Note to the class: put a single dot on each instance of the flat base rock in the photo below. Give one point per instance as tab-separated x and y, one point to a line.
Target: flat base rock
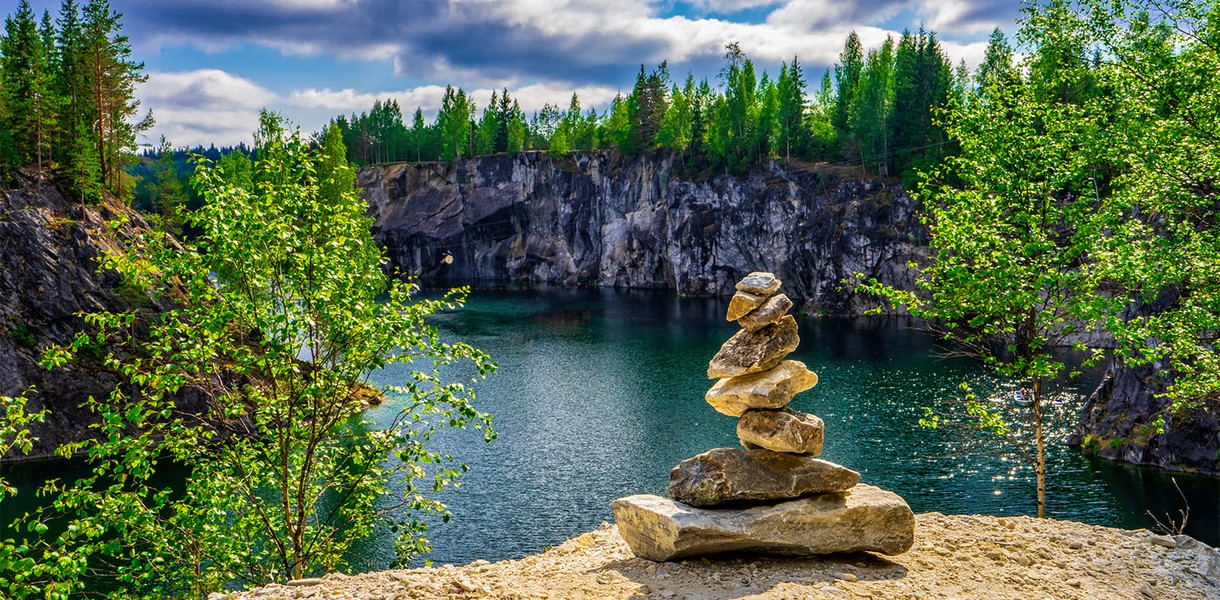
864	519
735	475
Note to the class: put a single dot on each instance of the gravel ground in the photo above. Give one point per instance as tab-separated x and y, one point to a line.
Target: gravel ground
954	557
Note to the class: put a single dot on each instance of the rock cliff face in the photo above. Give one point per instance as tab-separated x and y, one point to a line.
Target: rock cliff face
1118	424
601	219
49	252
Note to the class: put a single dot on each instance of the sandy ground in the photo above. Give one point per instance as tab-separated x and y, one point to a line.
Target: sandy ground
954	557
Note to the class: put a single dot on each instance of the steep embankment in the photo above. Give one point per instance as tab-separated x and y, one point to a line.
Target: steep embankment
954	557
50	248
1118	423
603	219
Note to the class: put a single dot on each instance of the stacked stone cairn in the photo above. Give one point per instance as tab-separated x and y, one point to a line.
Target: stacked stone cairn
774	496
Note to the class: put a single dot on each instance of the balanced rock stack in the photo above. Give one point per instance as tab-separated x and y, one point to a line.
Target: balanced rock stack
775	496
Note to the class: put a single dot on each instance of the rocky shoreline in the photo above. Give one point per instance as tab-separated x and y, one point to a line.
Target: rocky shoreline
966	556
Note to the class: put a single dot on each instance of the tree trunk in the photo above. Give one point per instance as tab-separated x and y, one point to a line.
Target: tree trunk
1040	440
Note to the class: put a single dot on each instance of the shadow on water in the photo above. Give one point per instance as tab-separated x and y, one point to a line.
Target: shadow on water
599	393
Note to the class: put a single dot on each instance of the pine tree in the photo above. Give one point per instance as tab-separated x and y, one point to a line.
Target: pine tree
616	125
110	76
506	110
85	170
765	118
675	129
489	125
922	81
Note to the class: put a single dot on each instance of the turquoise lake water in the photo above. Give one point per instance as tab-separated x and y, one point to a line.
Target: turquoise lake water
599	393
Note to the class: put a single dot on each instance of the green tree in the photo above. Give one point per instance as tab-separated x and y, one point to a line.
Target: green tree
736	117
874	103
646	107
615	131
675	132
997	67
517	131
1005	280
1070	210
69	82
110	77
25	63
455	123
1161	186
847	80
278	311
170	193
790	118
490	126
922	81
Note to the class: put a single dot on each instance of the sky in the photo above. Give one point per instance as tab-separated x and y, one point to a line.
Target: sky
213	64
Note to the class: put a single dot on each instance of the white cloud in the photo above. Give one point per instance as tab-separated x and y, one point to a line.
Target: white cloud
731	6
539	49
203	106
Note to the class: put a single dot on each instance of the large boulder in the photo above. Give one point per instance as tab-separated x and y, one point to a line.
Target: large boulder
754	351
864	519
734	475
770	389
781	431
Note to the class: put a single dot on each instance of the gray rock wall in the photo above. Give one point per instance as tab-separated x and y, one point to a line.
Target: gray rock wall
601	219
1118	424
49	251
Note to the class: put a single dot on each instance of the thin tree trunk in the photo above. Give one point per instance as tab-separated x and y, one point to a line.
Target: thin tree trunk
1040	440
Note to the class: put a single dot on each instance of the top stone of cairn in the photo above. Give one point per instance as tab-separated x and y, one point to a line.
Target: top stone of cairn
758	282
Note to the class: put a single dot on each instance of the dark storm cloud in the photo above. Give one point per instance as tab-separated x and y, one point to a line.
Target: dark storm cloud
425	37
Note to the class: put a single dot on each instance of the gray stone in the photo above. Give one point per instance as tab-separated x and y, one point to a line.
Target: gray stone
769	312
759	282
770	389
754	351
781	431
865	519
733	475
741	304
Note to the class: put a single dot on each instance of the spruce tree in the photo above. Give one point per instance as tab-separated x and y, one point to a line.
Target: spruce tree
792	133
996	68
27	85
